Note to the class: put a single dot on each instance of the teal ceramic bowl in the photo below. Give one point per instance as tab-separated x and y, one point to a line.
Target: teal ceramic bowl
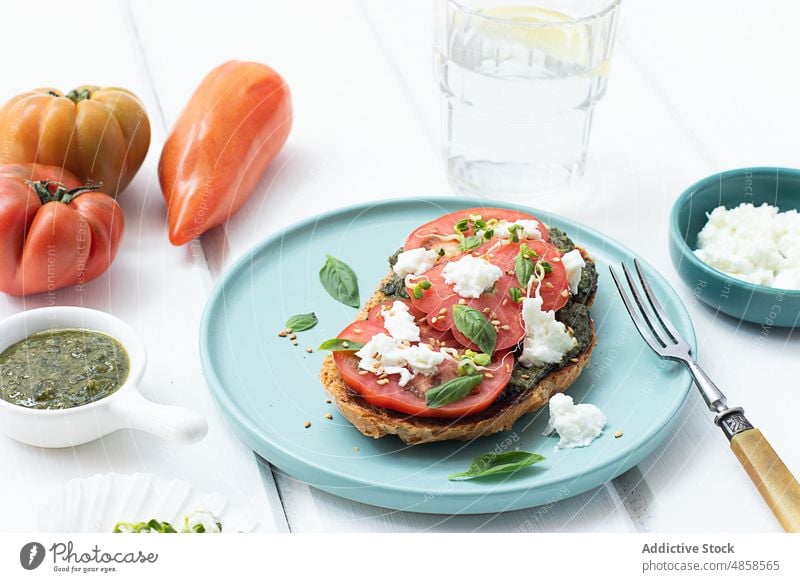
757	304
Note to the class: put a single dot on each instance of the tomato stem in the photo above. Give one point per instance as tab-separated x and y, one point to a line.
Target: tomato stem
60	193
76	95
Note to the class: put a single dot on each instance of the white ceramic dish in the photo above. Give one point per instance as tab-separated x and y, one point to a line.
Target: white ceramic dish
125	408
96	504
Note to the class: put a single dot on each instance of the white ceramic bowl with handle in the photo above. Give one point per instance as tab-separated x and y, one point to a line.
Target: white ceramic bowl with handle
125	408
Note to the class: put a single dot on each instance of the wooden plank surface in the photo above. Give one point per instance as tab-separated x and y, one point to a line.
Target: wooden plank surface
158	289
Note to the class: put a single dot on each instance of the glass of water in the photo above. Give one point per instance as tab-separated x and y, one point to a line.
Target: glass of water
519	83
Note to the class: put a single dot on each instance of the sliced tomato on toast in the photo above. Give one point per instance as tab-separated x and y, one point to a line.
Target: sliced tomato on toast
410	399
441	234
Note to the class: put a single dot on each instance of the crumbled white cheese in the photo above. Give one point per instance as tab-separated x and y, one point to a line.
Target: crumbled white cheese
414	262
423	360
757	244
529	229
471	276
546	339
573	263
399	322
577	425
386	355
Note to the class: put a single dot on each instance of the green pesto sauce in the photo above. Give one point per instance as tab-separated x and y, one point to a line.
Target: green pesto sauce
574	314
62	368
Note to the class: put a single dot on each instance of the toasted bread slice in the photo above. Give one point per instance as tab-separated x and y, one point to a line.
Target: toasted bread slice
378	422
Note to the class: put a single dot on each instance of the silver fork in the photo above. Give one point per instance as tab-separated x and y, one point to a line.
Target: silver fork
770	475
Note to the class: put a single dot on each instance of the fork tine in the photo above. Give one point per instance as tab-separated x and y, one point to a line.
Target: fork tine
641	326
656	305
647	315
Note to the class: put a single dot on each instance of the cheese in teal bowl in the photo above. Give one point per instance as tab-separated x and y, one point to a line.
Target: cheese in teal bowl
749	242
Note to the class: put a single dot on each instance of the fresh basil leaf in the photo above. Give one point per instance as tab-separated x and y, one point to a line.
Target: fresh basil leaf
302	321
469	243
473	324
451	391
497	463
523	267
340	345
340	281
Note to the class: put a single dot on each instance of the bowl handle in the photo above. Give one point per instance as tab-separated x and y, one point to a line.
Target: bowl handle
173	423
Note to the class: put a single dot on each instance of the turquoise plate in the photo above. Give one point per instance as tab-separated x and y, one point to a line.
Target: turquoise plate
268	389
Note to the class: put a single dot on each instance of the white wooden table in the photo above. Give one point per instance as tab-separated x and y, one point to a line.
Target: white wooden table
694	88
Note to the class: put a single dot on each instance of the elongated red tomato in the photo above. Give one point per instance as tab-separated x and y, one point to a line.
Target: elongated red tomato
230	130
440	234
410	399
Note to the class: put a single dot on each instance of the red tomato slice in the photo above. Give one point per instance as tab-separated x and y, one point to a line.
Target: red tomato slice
439	234
554	288
410	399
438	291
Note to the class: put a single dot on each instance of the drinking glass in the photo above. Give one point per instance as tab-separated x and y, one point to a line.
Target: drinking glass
519	84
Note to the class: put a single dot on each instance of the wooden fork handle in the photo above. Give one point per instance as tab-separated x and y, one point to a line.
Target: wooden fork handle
771	477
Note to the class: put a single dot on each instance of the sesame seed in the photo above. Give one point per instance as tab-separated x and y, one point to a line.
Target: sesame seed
495	322
307	424
329	416
505	327
363	372
292	336
288	330
488	374
565	293
327	401
295	342
462	301
376	365
382	381
549	285
443	310
443	344
486	310
574	360
556	259
618	434
505	301
356	330
282	334
525	377
309	349
345	345
434	319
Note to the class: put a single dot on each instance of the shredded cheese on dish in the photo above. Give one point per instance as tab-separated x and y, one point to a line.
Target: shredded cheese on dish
757	244
471	276
547	340
577	425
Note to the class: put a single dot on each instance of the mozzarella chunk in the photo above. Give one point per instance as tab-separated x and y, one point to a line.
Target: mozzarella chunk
386	355
414	262
573	263
529	229
399	322
423	360
471	276
577	425
757	244
547	340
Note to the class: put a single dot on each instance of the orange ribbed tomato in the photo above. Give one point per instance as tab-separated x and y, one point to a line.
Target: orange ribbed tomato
230	130
54	231
101	135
